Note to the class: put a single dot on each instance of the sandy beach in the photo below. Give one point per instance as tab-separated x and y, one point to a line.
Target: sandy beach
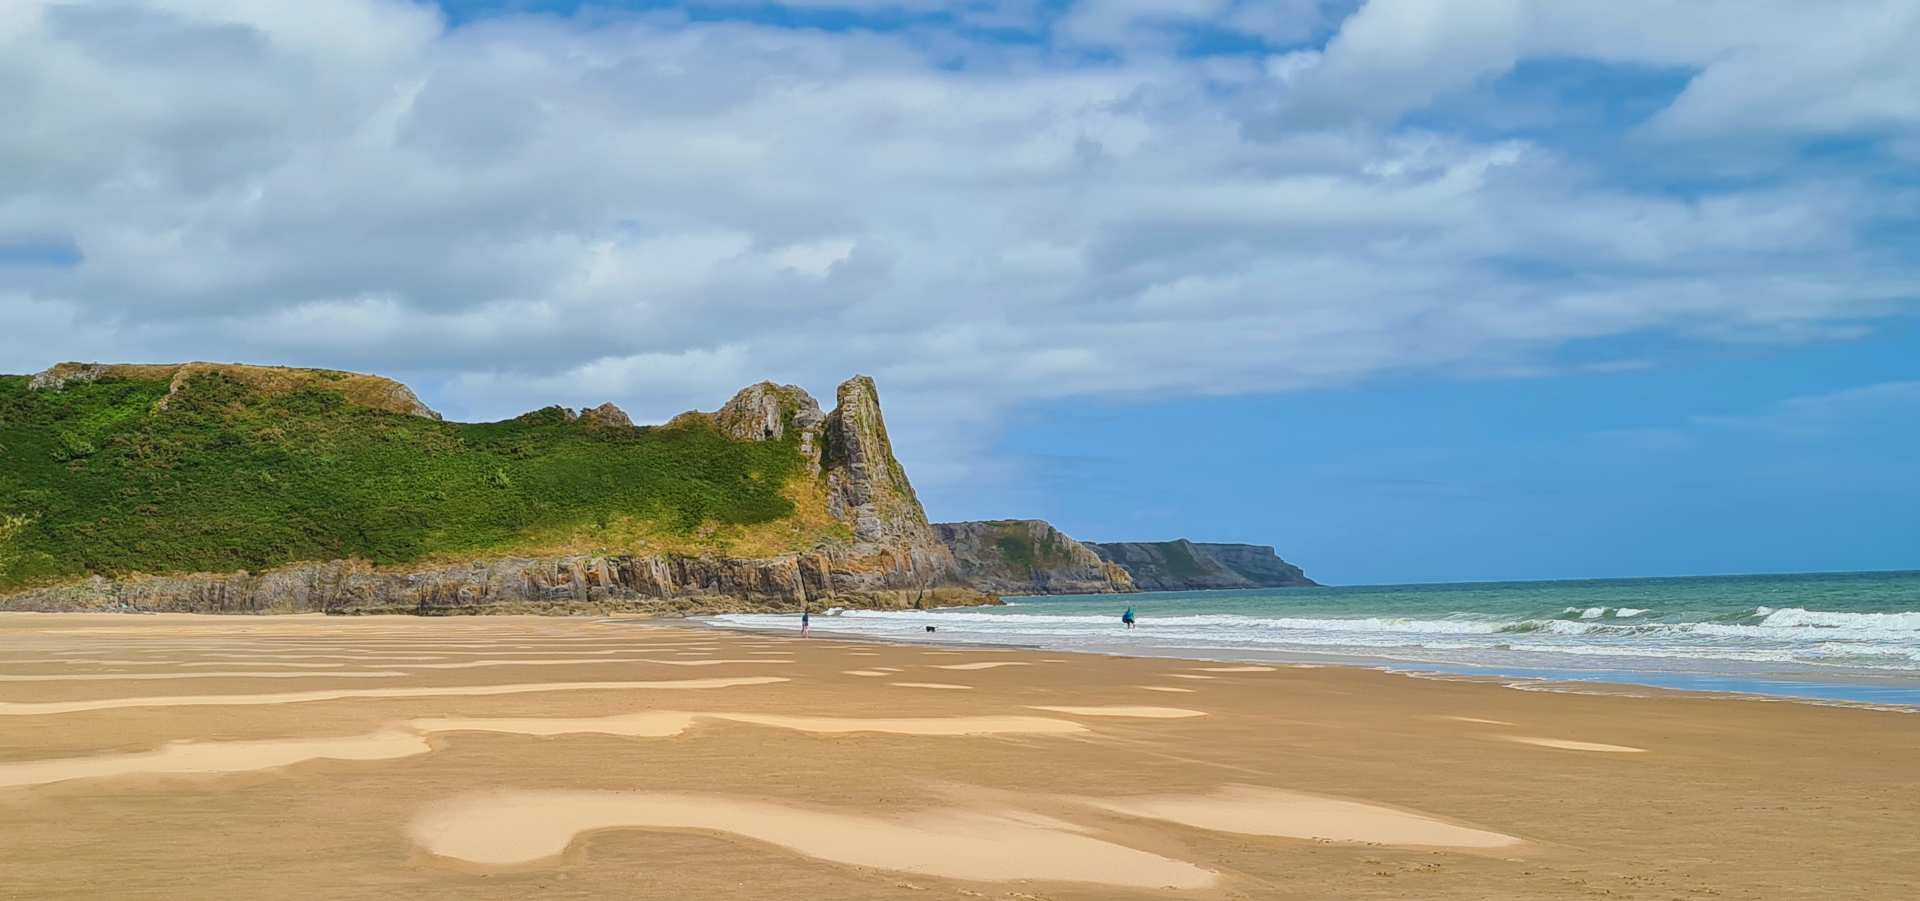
385	757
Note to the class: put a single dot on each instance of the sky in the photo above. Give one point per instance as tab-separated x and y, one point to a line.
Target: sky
1414	290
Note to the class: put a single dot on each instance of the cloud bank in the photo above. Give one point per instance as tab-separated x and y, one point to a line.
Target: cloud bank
982	204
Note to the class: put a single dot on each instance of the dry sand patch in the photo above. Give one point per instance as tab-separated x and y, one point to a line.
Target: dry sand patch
105	677
1568	745
520	828
408	738
472	664
184	758
8	708
1148	713
1253	810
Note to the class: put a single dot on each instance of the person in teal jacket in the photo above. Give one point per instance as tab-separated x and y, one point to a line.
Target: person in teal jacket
1127	617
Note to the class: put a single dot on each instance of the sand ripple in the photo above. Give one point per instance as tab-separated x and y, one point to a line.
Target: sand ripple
520	828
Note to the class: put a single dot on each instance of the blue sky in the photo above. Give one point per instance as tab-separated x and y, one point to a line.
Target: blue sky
1414	291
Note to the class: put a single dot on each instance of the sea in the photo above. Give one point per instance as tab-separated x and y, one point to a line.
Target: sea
1832	637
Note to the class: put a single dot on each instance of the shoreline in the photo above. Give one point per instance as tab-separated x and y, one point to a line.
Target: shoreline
1559	682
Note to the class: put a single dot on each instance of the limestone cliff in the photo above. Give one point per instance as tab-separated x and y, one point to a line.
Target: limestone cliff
1028	556
1183	565
766	504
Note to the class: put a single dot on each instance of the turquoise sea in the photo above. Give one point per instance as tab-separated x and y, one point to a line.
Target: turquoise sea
1840	637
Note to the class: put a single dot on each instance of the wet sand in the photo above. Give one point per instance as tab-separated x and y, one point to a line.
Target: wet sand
783	768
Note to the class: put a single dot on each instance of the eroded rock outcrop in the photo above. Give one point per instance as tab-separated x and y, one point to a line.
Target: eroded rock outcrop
1183	565
1028	556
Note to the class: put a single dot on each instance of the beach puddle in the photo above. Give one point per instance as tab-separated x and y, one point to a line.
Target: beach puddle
1478	721
8	708
1566	745
1237	669
520	828
1188	676
975	666
1252	810
1148	713
1167	688
865	672
941	685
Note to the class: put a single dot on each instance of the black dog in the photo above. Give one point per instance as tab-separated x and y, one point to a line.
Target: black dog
930	628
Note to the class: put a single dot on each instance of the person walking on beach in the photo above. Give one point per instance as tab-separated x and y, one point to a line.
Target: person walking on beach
1127	617
806	621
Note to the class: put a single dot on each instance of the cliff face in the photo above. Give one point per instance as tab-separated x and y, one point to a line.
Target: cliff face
1183	565
817	500
1028	556
562	584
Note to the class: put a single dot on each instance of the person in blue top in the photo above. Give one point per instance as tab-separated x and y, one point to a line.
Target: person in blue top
806	621
1127	617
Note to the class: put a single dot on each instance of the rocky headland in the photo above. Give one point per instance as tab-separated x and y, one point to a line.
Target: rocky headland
839	525
1028	556
1182	565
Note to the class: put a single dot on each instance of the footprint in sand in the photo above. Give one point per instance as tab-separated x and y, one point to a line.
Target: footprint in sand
1566	745
1253	810
528	827
1150	713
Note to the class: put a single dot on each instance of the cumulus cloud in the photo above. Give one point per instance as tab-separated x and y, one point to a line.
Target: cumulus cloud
656	210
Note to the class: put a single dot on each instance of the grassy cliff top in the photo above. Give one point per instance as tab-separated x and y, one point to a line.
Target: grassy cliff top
218	468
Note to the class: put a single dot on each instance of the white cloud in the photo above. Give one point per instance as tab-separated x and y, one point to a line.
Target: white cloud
537	210
1761	66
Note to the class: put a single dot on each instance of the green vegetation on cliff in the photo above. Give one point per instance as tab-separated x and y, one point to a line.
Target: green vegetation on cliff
215	472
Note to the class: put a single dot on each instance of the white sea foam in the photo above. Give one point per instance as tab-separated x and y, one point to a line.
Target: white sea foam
1885	641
